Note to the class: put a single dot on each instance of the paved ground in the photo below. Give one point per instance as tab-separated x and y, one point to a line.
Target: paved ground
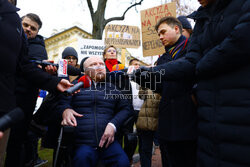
156	159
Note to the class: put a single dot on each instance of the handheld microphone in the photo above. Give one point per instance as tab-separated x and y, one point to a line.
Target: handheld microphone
70	69
84	82
120	70
44	63
11	118
73	71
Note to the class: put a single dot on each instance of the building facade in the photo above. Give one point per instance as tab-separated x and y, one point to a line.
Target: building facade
83	43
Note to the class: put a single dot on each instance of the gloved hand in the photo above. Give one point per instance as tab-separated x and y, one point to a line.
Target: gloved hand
143	70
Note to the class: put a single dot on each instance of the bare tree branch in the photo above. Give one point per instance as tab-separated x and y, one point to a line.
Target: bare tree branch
102	5
98	19
123	16
91	9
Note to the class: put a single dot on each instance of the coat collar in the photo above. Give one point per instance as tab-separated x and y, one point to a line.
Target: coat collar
178	41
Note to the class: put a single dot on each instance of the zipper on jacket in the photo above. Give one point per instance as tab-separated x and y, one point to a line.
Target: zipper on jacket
96	135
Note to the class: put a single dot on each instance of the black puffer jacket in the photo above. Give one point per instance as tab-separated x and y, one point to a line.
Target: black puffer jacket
219	55
37	48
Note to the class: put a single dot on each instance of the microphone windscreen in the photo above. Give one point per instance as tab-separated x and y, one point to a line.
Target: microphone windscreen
118	67
73	70
11	118
86	81
16	114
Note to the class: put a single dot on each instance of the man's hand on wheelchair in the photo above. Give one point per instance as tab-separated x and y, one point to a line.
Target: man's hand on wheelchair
107	137
69	117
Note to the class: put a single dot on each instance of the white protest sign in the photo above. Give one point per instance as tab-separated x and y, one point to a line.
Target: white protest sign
91	47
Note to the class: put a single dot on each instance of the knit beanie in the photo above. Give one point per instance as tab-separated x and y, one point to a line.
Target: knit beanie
69	51
184	21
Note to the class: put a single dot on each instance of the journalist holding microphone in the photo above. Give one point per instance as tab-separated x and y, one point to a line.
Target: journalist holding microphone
13	48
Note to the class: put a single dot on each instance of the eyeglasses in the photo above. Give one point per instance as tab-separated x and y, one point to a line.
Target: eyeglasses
71	58
111	50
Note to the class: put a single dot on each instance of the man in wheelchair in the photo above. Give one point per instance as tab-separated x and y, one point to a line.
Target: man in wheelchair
96	113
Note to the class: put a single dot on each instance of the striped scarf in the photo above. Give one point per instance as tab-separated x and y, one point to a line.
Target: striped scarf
175	50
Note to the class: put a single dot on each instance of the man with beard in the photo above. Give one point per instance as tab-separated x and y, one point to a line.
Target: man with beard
97	113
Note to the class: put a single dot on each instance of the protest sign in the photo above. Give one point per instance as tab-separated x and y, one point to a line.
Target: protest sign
122	36
150	40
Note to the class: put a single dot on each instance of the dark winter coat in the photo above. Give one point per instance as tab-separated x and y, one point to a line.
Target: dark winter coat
10	48
26	91
99	105
219	55
14	58
177	112
37	48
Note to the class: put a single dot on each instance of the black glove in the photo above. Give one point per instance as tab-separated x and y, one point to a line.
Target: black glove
143	71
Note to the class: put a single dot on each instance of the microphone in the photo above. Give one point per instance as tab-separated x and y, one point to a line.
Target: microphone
120	70
44	63
74	71
11	118
70	69
84	82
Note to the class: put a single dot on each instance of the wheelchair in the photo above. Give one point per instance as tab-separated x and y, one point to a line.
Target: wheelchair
64	150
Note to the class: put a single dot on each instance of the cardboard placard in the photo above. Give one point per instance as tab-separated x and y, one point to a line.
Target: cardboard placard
122	36
151	44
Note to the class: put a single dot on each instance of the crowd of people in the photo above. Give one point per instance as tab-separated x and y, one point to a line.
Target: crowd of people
197	113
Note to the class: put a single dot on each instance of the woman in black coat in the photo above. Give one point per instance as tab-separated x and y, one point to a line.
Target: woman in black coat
219	58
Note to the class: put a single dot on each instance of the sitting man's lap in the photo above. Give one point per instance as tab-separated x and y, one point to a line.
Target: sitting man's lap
113	156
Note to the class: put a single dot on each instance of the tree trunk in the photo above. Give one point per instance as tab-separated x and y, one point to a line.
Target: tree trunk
98	25
98	19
